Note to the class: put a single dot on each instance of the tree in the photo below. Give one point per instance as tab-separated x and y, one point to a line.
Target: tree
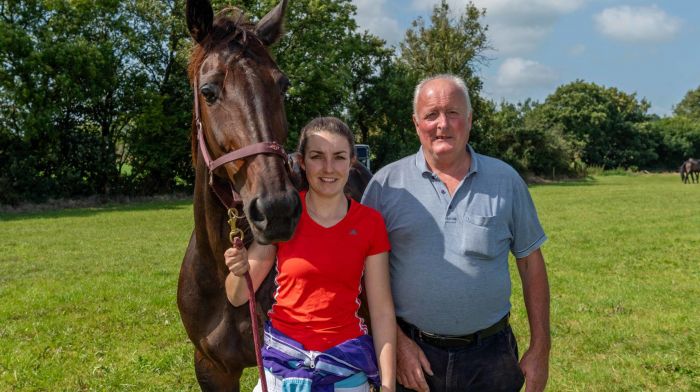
157	147
690	105
448	45
518	136
386	107
605	121
366	70
75	76
677	138
89	87
52	82
329	63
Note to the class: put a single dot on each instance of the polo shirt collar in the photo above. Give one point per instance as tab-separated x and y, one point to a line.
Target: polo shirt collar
422	165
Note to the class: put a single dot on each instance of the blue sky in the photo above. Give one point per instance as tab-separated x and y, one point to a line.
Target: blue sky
643	47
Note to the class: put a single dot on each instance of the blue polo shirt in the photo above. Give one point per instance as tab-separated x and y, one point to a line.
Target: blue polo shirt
449	253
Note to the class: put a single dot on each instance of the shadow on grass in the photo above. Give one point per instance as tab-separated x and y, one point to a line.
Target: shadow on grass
86	211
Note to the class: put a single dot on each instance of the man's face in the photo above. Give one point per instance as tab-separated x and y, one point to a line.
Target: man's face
442	120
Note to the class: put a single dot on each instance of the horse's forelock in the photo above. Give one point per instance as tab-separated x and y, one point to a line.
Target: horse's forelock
230	24
237	16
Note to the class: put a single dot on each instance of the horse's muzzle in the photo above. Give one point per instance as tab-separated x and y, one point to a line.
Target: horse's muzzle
274	218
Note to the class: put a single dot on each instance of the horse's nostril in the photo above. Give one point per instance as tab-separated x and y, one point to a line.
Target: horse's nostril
255	212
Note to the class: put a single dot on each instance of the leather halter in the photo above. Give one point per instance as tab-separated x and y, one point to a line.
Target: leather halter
241	153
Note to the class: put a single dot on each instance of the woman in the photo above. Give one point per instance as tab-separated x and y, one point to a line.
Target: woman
315	340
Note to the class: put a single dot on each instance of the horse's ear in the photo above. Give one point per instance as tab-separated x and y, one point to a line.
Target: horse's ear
269	29
200	17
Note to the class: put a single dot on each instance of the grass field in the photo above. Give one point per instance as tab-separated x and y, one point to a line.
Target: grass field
87	296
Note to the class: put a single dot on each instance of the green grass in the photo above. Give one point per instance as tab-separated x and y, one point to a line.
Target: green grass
624	266
88	299
87	296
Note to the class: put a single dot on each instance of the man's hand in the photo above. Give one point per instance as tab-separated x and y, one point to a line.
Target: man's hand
535	366
411	363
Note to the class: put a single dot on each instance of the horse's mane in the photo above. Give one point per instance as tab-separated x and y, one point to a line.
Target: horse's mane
229	24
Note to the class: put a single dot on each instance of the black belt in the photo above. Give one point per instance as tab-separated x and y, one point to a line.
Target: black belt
451	341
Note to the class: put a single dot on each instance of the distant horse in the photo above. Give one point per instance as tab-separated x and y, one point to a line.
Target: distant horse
692	170
238	128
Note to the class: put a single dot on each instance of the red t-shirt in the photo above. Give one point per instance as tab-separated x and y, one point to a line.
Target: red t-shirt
319	272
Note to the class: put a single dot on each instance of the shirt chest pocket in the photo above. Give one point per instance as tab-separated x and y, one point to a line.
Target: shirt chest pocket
484	236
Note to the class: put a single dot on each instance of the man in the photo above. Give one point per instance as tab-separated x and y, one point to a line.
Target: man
452	216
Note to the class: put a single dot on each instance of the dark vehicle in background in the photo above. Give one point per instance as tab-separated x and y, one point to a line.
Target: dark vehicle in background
362	152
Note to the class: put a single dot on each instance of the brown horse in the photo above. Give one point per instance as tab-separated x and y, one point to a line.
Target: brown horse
241	92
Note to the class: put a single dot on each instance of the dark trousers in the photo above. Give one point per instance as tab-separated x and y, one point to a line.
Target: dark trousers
488	364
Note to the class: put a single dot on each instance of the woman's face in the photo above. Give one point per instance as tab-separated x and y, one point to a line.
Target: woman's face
327	162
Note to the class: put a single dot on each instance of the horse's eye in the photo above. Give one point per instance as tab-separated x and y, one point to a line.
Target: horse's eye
210	93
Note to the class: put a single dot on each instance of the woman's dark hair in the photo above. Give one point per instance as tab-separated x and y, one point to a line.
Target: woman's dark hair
332	125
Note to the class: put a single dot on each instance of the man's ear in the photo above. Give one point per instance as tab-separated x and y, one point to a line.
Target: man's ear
415	121
269	29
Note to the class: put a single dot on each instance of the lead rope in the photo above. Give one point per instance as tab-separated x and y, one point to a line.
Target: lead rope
236	238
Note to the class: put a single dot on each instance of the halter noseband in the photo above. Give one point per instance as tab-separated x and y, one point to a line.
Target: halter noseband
241	153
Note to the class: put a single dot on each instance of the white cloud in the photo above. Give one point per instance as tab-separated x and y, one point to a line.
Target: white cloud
516	39
515	26
372	16
637	24
517	74
528	12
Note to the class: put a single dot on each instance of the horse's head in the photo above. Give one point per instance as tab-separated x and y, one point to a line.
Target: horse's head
240	93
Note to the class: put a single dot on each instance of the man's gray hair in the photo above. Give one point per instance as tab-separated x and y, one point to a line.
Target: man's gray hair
459	82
